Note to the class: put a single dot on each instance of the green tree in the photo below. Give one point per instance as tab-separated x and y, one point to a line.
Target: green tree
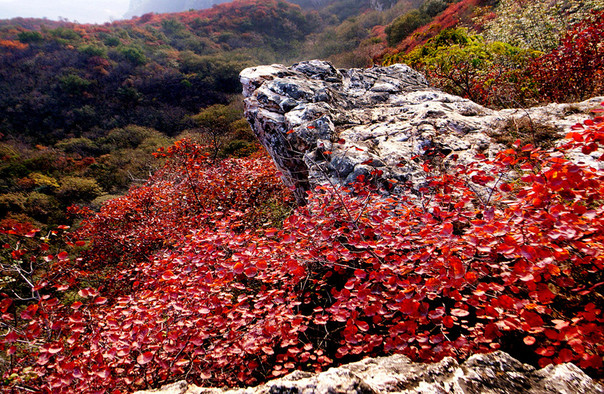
30	36
217	122
134	55
75	189
404	25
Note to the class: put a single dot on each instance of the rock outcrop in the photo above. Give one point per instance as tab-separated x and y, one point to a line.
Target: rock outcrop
319	123
482	373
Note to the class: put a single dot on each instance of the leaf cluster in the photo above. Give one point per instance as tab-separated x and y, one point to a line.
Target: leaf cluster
185	277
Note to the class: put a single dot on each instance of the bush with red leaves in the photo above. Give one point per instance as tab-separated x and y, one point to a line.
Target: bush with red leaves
575	70
448	273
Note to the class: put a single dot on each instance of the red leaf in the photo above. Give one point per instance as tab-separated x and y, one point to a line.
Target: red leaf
432	284
43	359
167	275
292	265
505	187
250	272
458	269
529	340
11	337
565	356
545	351
4	304
63	256
560	324
459	312
593	361
32	233
533	319
447	229
204	310
100	300
144	358
360	274
103	373
55	348
238	268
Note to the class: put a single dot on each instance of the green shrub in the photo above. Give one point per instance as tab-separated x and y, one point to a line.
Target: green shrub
30	36
433	7
75	189
81	145
41	206
93	50
11	203
404	25
74	84
133	55
489	73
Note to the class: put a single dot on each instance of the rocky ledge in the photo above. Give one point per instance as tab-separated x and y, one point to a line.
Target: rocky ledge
483	373
322	124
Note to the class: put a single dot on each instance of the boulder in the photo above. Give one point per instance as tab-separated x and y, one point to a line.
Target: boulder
494	373
321	124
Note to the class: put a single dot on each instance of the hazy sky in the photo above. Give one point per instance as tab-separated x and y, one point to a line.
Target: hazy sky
83	11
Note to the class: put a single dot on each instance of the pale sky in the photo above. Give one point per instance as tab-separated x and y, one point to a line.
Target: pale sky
83	11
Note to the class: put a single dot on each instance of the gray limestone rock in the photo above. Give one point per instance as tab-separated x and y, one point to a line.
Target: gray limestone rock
320	124
494	373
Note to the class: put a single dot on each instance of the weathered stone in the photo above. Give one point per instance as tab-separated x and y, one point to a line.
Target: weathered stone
493	373
320	123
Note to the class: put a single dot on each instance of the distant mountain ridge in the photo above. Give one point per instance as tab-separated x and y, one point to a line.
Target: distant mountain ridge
140	7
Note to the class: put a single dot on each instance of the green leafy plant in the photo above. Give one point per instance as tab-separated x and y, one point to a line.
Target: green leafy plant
489	73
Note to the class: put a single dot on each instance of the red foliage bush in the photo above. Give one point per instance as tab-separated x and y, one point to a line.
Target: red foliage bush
575	70
453	271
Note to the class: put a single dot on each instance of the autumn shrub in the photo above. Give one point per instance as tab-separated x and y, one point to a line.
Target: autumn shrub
474	262
188	188
575	69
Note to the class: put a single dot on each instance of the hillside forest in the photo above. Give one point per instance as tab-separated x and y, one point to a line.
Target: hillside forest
147	238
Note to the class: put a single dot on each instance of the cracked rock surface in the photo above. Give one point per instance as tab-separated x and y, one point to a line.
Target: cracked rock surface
496	373
321	123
